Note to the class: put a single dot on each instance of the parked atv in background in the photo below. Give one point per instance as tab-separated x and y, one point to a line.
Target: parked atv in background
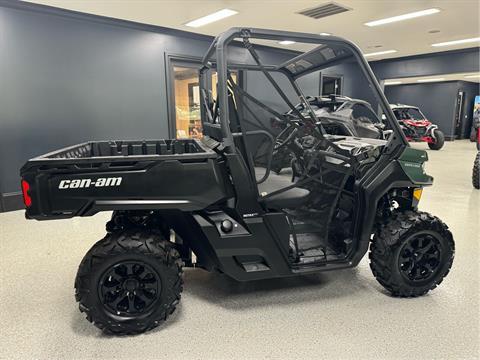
172	198
416	127
339	115
476	163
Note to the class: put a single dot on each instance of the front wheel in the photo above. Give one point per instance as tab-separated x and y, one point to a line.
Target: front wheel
411	253
129	282
439	140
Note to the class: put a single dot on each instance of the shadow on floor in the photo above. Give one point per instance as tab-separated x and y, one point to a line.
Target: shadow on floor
233	295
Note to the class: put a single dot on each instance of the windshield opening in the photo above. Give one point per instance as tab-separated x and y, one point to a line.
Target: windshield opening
408	114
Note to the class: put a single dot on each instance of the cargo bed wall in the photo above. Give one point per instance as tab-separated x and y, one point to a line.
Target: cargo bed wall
60	191
114	148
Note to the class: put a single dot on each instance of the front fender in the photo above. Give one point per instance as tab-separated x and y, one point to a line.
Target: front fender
412	162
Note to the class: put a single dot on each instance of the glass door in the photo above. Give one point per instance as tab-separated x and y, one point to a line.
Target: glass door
185	115
188	123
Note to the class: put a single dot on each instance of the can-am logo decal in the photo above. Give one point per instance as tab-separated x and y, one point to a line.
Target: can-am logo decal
87	183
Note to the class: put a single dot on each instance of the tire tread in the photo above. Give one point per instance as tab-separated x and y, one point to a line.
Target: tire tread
132	241
388	239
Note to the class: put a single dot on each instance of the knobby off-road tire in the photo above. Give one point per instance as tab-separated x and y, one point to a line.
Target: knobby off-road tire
440	140
129	282
411	253
476	172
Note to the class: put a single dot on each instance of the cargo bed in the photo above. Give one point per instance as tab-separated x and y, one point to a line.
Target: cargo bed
108	175
117	150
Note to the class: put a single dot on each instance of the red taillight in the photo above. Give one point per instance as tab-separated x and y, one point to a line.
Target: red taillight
27	200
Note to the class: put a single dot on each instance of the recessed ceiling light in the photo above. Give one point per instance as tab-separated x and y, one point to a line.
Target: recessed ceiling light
392	83
472	76
455	42
380	53
325	34
403	17
219	15
430	80
286	42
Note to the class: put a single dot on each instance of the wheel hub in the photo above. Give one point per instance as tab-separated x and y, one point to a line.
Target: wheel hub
420	257
131	284
129	288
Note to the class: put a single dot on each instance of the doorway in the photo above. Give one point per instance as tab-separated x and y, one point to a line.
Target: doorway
458	118
184	95
330	85
188	122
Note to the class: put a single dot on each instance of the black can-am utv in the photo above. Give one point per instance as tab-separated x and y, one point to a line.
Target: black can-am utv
216	197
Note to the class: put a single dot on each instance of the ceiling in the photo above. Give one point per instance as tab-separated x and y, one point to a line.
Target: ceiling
458	19
440	78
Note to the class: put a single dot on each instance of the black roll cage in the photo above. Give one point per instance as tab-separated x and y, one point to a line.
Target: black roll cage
219	50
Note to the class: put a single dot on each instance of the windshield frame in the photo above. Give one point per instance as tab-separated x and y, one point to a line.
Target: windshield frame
217	56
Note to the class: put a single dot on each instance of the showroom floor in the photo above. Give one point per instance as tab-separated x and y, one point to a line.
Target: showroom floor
338	315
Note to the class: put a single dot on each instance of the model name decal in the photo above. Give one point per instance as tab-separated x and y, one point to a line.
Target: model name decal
412	164
87	183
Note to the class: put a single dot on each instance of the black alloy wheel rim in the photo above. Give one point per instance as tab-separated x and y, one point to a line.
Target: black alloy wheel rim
129	288
420	257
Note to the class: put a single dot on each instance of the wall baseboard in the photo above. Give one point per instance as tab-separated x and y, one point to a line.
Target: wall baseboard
11	201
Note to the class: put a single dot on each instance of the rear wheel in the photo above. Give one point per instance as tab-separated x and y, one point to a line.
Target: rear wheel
129	282
476	172
411	253
439	140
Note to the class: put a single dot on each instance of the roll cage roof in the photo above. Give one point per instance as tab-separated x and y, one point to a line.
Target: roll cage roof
331	50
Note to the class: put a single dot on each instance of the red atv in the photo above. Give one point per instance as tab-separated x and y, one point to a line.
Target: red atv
416	127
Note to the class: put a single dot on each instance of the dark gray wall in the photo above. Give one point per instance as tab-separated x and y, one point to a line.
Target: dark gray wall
447	62
436	100
66	81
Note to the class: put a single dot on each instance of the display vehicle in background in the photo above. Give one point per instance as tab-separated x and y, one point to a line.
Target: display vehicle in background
476	162
475	118
338	115
215	198
341	115
417	127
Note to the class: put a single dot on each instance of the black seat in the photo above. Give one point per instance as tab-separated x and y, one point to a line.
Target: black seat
288	199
